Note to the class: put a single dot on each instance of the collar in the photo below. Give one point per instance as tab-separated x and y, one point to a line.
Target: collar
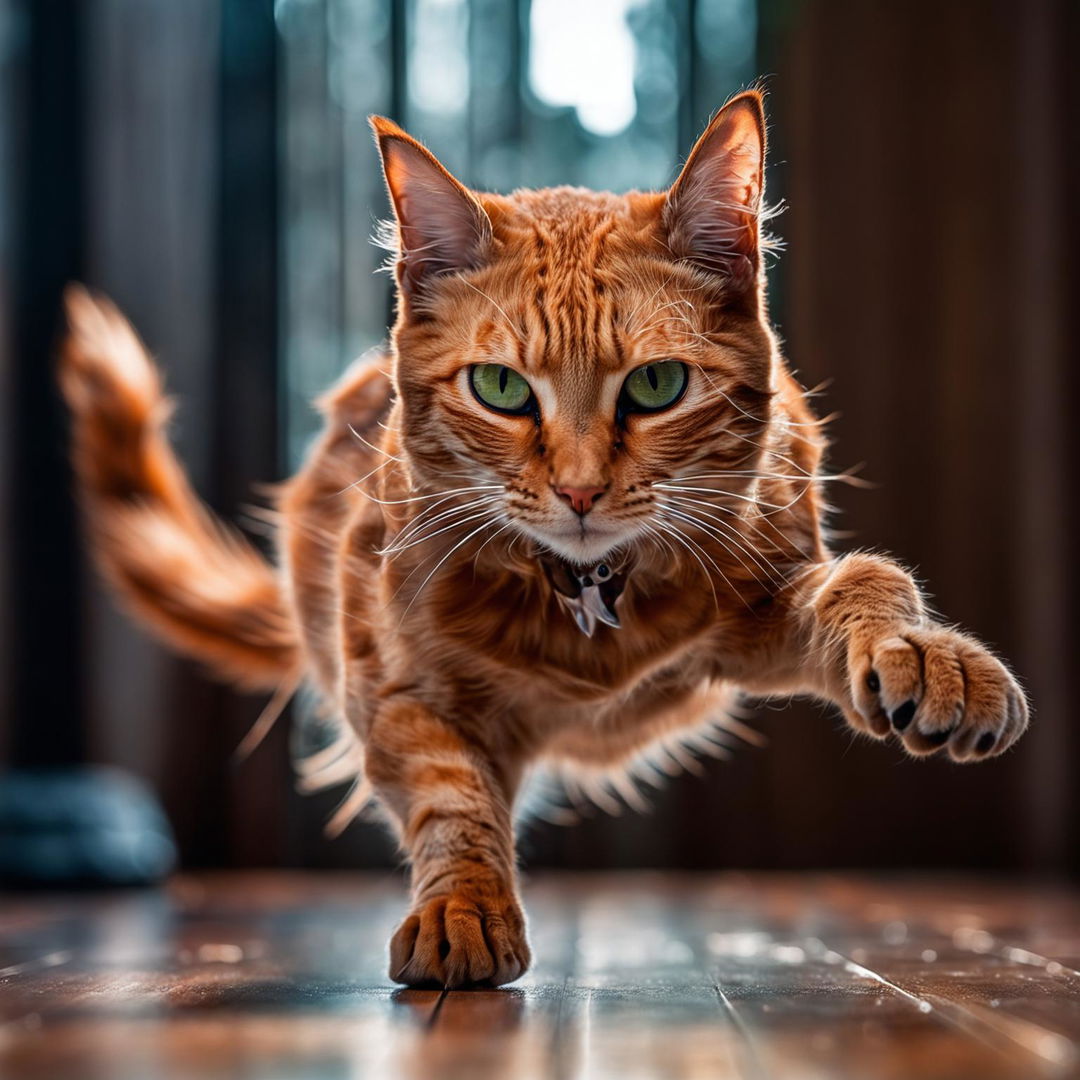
588	593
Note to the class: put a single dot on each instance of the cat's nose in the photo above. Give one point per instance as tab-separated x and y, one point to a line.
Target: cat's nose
580	498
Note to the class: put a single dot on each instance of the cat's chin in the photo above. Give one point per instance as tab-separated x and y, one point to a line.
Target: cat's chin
582	547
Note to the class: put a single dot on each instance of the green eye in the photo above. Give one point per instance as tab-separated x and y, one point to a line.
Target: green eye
655	386
500	388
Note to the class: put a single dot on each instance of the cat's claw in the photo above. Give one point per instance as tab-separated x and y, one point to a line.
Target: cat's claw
466	938
936	688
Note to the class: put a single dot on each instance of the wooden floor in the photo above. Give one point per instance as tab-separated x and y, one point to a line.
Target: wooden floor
282	976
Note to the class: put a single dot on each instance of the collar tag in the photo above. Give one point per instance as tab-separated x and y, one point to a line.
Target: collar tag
589	594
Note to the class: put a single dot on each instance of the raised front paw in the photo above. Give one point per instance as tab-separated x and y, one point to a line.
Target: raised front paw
936	688
469	937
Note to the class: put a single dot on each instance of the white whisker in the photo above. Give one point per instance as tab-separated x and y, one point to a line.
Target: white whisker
680	534
734	538
794	548
356	483
674	532
372	446
502	311
497	532
663	486
423	584
658	538
422	522
435	494
423	539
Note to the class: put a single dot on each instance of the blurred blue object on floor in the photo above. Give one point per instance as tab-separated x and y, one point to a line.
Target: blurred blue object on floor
81	826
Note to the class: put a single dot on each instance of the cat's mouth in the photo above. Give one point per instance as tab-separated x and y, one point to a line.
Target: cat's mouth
583	544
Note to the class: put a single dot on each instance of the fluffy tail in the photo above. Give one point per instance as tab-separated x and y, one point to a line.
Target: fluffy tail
195	581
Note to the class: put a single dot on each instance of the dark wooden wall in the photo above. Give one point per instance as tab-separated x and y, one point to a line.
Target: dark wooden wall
930	154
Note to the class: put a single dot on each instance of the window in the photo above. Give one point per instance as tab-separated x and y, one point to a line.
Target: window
505	94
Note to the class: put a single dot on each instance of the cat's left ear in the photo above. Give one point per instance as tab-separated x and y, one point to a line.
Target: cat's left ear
441	225
711	213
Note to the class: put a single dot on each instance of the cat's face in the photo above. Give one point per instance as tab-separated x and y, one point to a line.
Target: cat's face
568	351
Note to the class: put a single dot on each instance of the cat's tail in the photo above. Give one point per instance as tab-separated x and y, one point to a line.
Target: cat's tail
198	583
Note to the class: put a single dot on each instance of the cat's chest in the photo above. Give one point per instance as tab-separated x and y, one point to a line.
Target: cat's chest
536	649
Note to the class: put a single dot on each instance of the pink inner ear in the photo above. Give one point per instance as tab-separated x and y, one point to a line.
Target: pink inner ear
712	209
442	227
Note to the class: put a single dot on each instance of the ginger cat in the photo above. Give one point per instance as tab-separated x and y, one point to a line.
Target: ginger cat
579	513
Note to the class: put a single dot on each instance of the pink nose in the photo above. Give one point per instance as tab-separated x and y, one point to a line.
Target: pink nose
581	499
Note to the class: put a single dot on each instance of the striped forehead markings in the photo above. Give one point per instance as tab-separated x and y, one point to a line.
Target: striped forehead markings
573	323
576	327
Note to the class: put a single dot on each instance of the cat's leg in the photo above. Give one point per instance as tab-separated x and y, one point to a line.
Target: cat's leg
451	805
876	653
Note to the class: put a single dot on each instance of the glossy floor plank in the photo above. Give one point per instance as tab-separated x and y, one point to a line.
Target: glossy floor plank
807	977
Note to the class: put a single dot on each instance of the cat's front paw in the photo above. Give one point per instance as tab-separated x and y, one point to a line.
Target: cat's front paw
469	937
937	688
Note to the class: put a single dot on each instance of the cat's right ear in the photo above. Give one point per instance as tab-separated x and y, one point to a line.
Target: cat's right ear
441	225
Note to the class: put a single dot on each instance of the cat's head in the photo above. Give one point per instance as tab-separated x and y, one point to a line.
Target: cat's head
567	350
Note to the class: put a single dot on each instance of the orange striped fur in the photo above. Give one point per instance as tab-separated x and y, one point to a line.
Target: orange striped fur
412	591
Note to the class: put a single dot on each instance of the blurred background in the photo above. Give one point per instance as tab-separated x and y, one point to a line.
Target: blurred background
208	164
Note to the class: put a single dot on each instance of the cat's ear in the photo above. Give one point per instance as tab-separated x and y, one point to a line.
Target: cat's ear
441	225
711	213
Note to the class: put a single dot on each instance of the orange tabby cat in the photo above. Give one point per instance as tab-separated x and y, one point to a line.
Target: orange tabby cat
581	509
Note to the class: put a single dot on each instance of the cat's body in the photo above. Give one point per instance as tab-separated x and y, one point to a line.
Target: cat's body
582	386
490	630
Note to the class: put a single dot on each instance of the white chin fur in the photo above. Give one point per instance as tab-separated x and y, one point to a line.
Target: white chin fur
584	549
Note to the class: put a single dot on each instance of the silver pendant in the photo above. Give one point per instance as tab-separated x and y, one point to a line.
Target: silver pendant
589	594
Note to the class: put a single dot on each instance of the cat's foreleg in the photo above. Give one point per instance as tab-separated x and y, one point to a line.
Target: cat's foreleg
451	805
872	648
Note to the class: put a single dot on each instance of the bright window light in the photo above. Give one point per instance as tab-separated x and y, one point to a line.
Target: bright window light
582	54
438	71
